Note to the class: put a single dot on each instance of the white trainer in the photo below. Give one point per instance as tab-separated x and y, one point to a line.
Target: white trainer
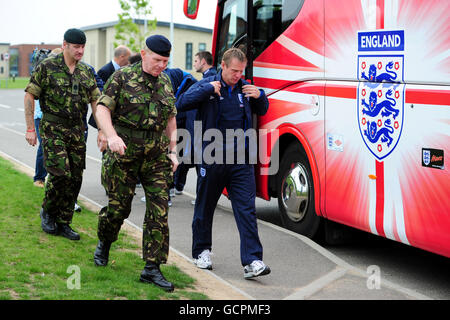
204	260
77	208
255	269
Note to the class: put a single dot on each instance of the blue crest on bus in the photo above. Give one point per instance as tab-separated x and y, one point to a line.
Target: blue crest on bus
381	41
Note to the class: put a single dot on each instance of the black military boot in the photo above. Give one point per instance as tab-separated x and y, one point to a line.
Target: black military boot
47	222
152	274
101	254
67	232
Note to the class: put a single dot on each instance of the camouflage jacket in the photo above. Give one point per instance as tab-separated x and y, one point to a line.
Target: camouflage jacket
137	100
61	93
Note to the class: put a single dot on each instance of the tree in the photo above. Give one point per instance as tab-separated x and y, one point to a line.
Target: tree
128	31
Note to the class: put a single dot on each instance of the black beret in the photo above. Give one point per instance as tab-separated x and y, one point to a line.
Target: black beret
75	36
159	44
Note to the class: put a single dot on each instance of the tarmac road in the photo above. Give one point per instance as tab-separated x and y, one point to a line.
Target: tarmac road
301	268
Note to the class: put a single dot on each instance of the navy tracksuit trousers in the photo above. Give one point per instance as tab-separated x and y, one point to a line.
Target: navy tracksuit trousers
239	179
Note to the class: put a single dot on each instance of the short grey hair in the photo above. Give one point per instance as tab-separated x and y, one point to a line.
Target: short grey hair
121	50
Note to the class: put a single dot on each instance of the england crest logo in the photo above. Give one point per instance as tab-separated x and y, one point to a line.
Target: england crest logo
380	102
426	157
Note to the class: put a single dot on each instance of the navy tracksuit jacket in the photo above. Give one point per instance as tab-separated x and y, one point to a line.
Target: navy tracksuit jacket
230	111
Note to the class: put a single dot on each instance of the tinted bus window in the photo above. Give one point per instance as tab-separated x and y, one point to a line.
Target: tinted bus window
271	18
233	27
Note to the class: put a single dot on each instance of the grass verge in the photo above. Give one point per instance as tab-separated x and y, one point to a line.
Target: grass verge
35	265
18	83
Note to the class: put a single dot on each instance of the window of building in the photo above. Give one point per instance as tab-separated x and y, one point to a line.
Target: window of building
202	46
189	56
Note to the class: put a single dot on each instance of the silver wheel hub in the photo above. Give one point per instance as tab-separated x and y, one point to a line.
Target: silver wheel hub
295	192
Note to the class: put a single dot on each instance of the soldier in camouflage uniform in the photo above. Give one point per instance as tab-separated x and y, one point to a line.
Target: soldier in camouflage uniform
136	112
64	86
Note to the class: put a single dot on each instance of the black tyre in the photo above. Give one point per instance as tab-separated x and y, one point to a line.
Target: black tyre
295	192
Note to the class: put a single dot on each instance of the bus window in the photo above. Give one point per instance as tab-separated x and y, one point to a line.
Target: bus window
271	18
233	27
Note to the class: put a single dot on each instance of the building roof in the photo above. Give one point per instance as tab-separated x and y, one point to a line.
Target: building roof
141	21
36	44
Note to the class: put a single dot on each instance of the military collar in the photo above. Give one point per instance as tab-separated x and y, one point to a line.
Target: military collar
62	63
144	76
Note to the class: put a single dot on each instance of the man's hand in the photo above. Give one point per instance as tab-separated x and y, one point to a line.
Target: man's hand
251	91
30	135
31	138
102	142
175	163
116	144
217	86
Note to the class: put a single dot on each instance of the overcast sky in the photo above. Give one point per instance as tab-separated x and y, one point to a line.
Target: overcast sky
37	21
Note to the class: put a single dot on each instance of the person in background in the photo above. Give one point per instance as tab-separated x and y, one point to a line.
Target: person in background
39	170
121	55
203	61
135	57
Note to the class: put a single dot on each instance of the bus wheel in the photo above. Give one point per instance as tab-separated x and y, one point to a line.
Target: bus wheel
295	191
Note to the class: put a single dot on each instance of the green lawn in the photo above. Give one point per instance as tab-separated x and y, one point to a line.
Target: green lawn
35	265
19	83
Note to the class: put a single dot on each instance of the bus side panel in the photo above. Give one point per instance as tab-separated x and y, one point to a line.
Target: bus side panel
427	37
347	182
423	167
426	27
343	20
298	111
347	168
301	47
405	197
297	54
383	135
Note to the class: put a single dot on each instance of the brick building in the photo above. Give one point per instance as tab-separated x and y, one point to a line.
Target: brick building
20	56
4	60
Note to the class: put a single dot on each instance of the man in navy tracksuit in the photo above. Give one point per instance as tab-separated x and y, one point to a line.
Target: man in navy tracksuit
224	102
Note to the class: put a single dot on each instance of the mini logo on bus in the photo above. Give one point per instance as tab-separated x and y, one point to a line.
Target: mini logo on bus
380	102
426	157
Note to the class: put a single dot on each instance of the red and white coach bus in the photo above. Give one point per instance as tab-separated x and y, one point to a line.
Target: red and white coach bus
359	93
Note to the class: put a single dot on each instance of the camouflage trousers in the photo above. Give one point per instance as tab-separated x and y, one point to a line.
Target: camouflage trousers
65	159
149	163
